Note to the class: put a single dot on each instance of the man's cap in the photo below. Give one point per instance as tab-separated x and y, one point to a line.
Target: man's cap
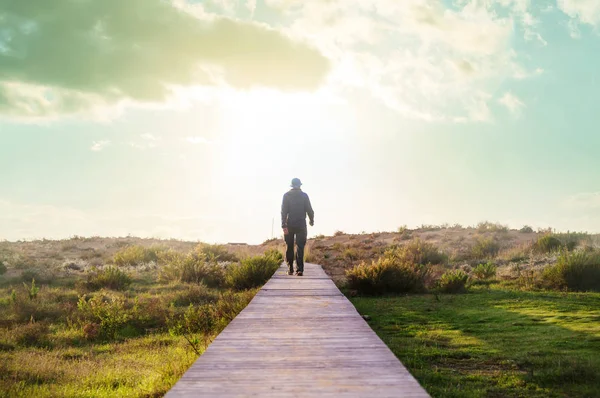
296	183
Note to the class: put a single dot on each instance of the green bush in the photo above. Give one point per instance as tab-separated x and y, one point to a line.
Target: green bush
136	255
417	252
485	248
31	334
274	255
252	272
389	274
485	271
192	268
454	282
487	226
2	268
350	254
526	229
194	294
547	244
108	312
215	253
109	277
570	240
578	271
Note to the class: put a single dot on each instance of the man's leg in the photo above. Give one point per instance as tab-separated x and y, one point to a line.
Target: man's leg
289	254
300	241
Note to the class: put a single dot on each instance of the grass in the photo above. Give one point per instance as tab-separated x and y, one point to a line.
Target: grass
107	332
142	367
494	342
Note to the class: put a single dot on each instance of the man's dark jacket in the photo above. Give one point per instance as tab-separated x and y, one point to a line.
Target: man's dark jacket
294	208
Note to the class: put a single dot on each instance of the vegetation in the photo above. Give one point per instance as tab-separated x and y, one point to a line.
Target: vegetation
418	252
494	342
547	244
485	271
526	229
253	272
487	226
109	278
107	331
485	248
454	282
578	271
392	273
135	255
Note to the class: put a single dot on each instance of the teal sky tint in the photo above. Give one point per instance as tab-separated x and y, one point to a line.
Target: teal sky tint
404	127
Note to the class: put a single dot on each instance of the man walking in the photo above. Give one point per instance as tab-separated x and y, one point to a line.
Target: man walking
294	208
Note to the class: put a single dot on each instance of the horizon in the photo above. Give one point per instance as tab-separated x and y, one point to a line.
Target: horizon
391	113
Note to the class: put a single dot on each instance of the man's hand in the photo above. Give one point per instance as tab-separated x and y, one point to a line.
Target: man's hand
285	231
311	223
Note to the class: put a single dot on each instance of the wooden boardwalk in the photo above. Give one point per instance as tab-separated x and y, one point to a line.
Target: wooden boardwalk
299	337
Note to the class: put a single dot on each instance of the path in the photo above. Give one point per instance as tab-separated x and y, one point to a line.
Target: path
299	337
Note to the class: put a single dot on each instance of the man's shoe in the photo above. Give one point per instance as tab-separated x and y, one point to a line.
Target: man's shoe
290	272
299	273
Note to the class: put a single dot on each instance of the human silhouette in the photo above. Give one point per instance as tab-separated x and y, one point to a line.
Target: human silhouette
294	208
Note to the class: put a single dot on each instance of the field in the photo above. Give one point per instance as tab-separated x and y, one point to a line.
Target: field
482	311
494	342
116	317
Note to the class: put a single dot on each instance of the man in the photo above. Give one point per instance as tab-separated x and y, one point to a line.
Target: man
294	208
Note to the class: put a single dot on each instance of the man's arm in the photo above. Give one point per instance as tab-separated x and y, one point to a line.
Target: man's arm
309	211
285	211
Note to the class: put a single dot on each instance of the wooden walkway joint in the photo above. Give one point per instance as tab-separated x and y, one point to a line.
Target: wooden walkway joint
298	337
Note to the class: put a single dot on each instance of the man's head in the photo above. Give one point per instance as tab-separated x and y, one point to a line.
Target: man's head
296	183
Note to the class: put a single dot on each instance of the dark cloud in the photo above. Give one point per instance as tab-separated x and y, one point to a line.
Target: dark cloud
63	55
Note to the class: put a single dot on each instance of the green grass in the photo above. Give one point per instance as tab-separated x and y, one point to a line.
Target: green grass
494	343
67	337
141	367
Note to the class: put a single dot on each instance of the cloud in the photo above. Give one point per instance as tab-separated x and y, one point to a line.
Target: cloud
423	58
97	146
196	140
584	11
73	56
512	103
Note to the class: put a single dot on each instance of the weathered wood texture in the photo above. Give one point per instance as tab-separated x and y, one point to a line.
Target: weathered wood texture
299	337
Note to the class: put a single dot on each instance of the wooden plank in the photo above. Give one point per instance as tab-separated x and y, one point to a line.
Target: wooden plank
298	337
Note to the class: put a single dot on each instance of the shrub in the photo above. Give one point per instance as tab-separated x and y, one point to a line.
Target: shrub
2	268
485	271
339	233
526	229
135	255
389	274
215	253
194	294
108	312
350	254
547	244
109	277
487	226
570	240
252	272
578	271
31	334
485	248
274	255
454	282
418	252
192	268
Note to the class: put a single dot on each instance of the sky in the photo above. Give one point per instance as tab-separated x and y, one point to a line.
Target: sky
188	119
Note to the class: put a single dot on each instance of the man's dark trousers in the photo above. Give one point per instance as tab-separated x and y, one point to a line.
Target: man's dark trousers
300	236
